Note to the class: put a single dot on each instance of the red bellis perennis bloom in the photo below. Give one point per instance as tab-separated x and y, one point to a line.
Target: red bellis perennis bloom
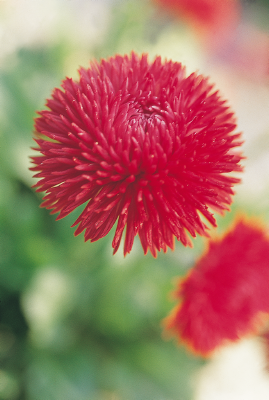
226	293
143	145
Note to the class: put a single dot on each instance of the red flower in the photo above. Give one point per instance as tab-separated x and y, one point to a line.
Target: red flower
214	19
141	144
225	294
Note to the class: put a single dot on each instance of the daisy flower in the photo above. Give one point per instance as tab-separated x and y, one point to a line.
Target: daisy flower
141	145
225	296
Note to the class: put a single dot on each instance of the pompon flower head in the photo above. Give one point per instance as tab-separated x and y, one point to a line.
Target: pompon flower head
226	294
141	144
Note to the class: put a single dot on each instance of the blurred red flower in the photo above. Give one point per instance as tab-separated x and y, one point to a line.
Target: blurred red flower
212	19
225	295
141	143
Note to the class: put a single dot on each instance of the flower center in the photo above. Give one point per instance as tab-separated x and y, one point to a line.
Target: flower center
147	115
